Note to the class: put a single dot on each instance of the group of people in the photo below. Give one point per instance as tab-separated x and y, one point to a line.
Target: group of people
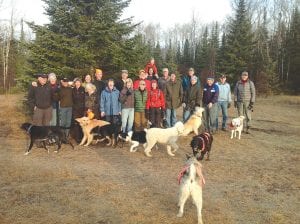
150	100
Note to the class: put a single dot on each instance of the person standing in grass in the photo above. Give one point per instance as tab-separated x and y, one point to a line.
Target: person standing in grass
140	99
127	104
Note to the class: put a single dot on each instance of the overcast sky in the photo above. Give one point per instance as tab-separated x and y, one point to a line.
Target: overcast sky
165	12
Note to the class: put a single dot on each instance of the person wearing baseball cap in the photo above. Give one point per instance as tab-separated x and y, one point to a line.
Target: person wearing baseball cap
210	100
224	100
244	98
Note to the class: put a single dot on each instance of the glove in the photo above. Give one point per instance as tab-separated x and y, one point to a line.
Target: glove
228	105
235	104
147	114
250	107
128	93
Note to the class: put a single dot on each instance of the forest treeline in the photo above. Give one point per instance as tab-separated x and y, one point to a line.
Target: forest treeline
261	36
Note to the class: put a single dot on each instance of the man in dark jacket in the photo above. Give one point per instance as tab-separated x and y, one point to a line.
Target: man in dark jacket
210	99
174	95
40	101
120	83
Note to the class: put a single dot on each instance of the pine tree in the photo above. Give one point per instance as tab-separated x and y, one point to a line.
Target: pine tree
239	42
170	58
157	54
187	57
82	35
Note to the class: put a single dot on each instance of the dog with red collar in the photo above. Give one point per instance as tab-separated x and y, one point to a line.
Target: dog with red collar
236	126
201	145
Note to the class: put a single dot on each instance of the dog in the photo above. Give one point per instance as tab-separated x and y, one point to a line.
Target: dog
46	135
201	145
166	136
87	126
106	132
134	138
194	122
191	181
237	125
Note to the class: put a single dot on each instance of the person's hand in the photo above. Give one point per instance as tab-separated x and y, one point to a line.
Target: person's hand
102	114
235	104
250	107
34	84
183	105
120	113
209	105
228	105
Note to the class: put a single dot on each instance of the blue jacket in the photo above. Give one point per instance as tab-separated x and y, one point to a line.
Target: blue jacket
109	103
224	92
210	94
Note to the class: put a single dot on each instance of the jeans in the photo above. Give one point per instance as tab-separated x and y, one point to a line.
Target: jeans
210	115
186	115
127	119
54	117
65	118
171	117
222	105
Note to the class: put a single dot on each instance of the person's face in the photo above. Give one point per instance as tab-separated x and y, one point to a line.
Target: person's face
88	78
128	85
173	77
42	80
191	72
222	80
142	85
152	61
193	81
124	75
142	75
77	84
244	77
166	74
64	84
154	85
150	71
110	84
98	75
52	81
210	82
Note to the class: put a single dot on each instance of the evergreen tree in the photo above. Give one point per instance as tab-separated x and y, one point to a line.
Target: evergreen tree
239	42
170	58
157	54
203	60
187	57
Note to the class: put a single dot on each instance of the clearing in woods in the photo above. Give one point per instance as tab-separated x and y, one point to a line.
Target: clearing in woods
252	180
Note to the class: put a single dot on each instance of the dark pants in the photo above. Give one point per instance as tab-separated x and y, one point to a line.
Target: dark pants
155	117
42	117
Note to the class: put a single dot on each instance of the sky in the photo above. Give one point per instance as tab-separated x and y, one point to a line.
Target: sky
165	12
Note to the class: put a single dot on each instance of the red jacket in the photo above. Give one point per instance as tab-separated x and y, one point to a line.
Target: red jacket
136	84
153	66
155	99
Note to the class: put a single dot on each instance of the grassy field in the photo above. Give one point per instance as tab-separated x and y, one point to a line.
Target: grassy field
252	180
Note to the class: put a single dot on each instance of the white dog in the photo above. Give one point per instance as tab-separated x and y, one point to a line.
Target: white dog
237	126
166	136
194	122
191	181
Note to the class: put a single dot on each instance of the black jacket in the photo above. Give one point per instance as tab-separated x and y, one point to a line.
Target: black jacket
40	96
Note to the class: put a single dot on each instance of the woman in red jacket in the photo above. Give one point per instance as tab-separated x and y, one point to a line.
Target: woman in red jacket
155	105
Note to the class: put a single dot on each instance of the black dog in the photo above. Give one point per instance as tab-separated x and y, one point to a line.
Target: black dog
47	135
107	132
135	138
201	145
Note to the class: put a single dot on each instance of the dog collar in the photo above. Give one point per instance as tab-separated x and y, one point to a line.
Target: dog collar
28	130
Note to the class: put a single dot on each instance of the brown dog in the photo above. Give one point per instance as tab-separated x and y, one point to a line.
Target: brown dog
87	125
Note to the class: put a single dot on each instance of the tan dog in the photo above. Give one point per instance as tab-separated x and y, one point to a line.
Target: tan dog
87	125
194	122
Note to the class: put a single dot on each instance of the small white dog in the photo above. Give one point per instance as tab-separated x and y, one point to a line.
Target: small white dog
191	181
237	126
194	122
166	136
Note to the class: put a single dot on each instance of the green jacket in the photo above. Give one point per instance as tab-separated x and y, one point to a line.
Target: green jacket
174	94
140	99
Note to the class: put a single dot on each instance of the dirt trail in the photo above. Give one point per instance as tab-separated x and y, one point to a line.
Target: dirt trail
252	180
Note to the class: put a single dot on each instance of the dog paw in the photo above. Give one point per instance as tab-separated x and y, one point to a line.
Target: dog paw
56	151
179	215
26	153
148	154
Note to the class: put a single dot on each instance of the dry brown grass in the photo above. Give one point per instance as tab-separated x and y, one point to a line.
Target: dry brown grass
252	180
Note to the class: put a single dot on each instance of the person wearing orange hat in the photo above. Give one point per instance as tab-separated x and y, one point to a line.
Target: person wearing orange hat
155	105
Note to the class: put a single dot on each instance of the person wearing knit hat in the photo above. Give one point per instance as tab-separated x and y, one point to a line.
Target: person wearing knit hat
155	105
209	100
191	99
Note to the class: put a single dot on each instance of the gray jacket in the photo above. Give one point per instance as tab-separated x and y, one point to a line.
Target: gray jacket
244	92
